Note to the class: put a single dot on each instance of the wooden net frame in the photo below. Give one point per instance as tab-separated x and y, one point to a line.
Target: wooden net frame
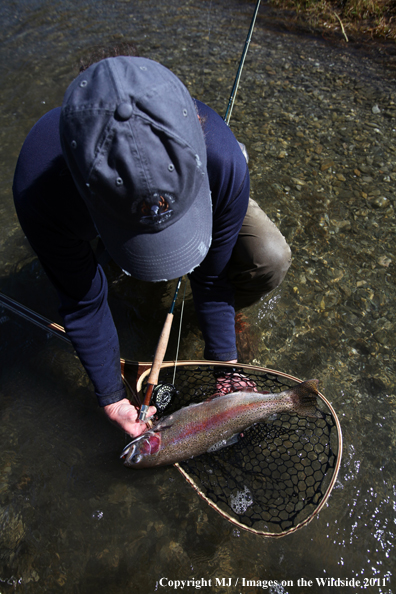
275	479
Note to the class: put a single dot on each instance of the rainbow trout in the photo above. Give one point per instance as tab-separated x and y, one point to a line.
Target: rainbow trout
195	429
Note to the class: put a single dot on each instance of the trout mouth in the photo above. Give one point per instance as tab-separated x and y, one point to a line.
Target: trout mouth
128	452
131	453
144	445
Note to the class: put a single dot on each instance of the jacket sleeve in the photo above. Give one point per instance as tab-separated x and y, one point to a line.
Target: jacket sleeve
58	227
229	183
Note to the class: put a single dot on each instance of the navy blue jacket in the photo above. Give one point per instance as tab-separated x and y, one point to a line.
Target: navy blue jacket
59	228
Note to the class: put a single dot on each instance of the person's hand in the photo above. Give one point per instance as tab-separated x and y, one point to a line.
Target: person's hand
126	416
234	382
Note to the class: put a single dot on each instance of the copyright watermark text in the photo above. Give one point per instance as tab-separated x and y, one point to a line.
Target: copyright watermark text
241	583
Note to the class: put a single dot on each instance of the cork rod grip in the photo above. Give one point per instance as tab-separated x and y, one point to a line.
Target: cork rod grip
155	369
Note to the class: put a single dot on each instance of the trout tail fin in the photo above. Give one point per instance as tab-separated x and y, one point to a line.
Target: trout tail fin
304	398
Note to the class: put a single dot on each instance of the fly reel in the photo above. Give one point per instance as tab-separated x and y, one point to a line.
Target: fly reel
162	396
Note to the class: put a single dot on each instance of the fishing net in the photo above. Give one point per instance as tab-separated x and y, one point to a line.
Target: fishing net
280	473
277	476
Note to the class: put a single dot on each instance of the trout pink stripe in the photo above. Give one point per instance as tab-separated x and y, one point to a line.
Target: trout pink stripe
220	418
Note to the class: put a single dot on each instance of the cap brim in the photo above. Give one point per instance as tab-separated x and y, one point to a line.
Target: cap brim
167	254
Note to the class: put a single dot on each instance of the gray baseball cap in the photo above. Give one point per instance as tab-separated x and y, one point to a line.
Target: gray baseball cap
133	142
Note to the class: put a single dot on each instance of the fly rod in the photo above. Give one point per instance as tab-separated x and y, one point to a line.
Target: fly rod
231	101
164	338
159	356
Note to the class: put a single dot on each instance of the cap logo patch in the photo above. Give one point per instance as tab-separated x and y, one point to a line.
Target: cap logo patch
157	210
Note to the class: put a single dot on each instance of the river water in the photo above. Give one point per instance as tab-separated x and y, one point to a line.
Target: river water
319	122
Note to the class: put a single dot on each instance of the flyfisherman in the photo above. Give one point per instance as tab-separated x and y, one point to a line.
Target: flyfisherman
160	177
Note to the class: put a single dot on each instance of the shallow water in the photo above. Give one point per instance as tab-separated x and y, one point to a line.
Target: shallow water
319	123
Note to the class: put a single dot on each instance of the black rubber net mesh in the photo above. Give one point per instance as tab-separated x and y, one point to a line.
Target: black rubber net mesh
278	473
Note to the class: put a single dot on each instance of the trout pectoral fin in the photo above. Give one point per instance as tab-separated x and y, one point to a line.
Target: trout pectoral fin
162	428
